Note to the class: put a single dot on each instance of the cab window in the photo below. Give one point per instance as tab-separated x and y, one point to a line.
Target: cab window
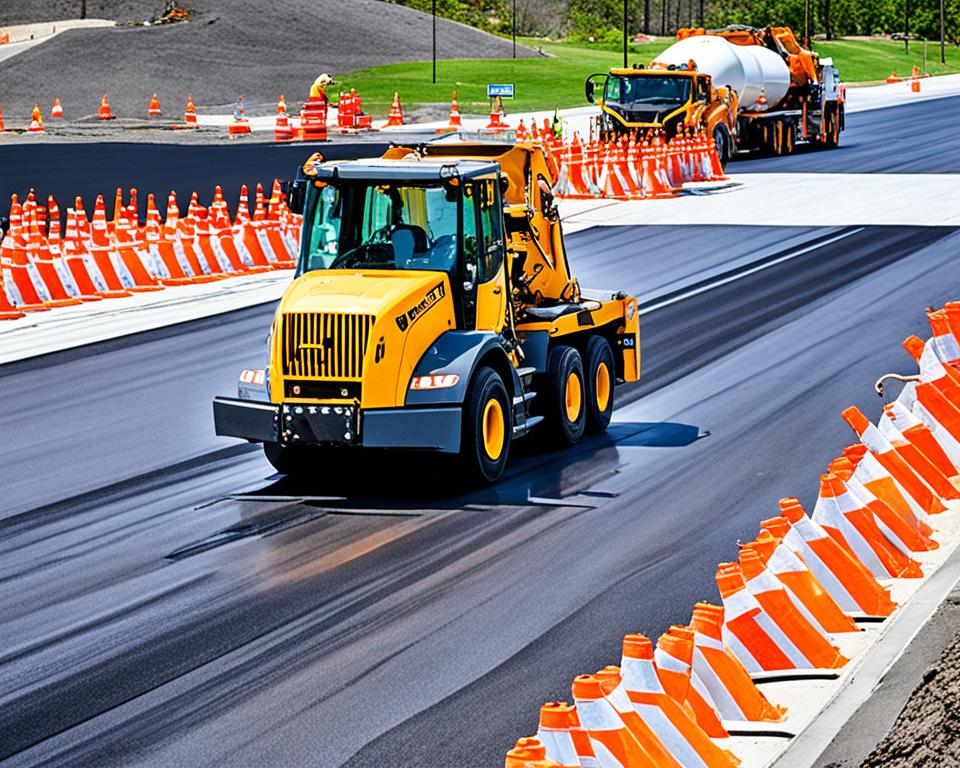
491	229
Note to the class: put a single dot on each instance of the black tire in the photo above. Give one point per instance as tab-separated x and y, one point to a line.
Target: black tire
601	377
487	394
294	460
563	365
722	141
789	138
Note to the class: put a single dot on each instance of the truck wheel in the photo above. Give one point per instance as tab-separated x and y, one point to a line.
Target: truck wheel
292	459
789	138
600	375
566	413
487	428
723	145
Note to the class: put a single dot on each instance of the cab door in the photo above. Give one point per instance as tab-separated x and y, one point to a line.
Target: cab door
485	294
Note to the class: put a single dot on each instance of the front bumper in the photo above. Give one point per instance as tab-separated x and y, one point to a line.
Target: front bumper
433	429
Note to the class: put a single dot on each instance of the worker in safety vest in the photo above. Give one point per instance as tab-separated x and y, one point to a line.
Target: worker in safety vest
319	88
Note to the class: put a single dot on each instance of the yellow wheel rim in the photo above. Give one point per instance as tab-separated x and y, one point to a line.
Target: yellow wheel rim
494	429
573	397
603	387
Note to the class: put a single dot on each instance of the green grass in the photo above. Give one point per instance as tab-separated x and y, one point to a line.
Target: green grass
864	61
557	80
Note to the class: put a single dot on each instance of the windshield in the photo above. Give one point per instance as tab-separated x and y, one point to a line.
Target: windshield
376	225
647	89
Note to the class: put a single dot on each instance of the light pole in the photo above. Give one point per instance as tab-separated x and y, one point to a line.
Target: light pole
624	34
514	25
434	42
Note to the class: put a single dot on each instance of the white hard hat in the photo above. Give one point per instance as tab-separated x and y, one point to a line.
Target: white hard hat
324	80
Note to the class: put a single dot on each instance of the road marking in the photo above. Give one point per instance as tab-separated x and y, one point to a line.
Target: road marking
745	273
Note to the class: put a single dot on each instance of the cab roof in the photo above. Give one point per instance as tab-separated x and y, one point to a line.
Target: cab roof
412	168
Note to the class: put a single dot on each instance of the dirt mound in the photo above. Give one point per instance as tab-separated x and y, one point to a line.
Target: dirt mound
231	47
927	732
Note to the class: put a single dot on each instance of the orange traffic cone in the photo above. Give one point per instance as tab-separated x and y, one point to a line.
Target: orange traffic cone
36	119
848	581
606	729
807	594
892	461
2	127
190	113
521	132
282	130
612	683
395	117
282	105
105	113
556	734
674	659
527	750
938	390
456	122
153	109
57	111
733	691
683	738
497	123
919	434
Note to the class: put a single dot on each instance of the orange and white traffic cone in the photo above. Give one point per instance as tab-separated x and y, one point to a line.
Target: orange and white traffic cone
456	121
611	681
938	390
856	530
2	127
24	285
56	112
733	691
190	113
920	435
849	582
893	462
557	733
282	130
153	108
395	118
105	113
807	594
282	105
674	659
772	596
497	123
612	741
685	741
908	533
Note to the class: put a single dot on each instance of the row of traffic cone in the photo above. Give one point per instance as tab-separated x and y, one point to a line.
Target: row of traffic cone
99	258
792	591
105	112
630	168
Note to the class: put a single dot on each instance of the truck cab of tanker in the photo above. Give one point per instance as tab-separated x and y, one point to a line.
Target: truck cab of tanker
432	310
664	98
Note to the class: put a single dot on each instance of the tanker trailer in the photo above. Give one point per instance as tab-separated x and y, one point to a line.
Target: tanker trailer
752	89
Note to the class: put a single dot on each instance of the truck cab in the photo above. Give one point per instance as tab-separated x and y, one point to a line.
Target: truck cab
431	297
665	99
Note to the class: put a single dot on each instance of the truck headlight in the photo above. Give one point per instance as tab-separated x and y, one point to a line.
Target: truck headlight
438	381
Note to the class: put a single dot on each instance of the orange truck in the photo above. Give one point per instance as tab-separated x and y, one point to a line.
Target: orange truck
752	89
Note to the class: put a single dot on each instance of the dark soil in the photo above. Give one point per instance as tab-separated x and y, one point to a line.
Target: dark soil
231	47
927	732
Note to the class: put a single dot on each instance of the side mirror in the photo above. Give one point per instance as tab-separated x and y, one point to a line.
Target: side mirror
588	88
296	192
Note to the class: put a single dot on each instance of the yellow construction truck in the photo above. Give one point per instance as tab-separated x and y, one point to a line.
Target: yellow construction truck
752	89
433	310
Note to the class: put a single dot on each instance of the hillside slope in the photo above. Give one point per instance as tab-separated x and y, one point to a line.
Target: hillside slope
232	47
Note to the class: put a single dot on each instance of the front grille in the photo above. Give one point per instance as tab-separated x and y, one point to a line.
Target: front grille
325	345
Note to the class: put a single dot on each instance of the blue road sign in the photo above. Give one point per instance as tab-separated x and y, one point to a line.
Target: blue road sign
503	90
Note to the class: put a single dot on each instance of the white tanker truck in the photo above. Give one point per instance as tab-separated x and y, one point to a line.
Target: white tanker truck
751	89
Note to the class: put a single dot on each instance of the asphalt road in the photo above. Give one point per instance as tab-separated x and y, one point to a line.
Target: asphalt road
167	601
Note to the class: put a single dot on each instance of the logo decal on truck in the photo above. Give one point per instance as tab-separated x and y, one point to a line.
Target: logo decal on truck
409	317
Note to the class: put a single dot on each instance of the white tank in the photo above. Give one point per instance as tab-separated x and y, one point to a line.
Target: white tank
745	68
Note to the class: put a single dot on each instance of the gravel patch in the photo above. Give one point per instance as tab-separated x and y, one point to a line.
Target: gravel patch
927	732
230	48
